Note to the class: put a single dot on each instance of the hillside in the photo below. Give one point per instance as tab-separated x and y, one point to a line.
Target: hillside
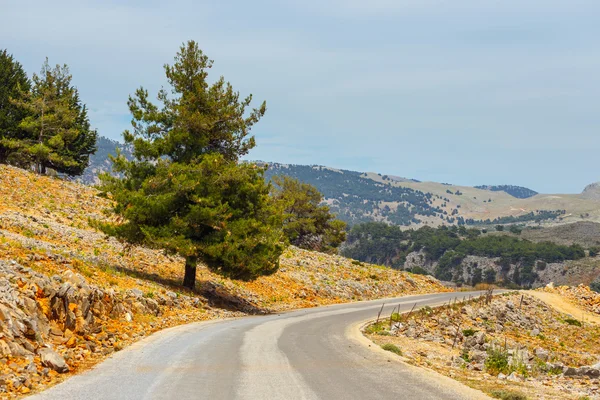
71	296
512	346
366	196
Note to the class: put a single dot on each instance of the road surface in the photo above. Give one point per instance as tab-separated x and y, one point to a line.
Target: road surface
307	354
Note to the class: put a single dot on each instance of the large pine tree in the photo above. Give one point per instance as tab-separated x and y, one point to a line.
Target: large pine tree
57	129
185	191
13	85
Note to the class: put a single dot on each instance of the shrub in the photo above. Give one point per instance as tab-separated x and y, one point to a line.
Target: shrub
375	328
392	347
572	321
469	332
507	395
497	361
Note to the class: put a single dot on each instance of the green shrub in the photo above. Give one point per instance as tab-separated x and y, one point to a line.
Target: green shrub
507	395
374	328
469	332
572	321
392	347
497	361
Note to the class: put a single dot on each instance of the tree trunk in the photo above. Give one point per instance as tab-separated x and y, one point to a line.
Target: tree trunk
189	279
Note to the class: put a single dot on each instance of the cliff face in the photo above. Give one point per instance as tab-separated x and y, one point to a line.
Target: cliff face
577	272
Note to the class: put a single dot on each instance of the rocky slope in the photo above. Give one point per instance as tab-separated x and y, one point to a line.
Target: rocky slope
509	345
70	296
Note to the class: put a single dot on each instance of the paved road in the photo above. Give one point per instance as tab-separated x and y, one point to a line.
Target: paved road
306	354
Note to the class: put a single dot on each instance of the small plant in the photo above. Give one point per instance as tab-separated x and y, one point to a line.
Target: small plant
396	317
572	321
507	395
149	295
392	347
497	361
375	328
469	332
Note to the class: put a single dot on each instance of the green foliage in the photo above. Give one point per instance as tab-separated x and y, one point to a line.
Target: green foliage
184	191
389	245
469	332
392	348
595	286
499	228
57	133
497	361
572	321
515	191
375	328
515	229
14	85
307	223
508	395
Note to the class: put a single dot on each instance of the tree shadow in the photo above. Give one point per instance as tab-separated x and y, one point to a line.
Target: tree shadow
216	295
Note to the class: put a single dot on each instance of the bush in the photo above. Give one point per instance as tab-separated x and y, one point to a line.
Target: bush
572	321
469	332
392	347
506	395
497	361
375	328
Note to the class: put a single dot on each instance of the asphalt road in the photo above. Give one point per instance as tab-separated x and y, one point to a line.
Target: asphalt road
307	354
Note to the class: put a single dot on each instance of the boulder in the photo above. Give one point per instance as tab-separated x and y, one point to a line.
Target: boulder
52	359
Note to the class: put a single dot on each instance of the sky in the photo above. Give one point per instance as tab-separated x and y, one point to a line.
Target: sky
461	91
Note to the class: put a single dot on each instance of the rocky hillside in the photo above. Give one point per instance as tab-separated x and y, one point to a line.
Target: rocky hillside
70	296
511	346
365	196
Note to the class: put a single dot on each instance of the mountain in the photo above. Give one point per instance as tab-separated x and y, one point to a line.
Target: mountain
592	191
100	161
516	191
368	196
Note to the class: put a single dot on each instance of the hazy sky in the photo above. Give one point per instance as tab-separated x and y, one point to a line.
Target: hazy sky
461	91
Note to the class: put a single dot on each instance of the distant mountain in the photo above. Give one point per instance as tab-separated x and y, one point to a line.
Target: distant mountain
516	191
100	162
592	191
367	196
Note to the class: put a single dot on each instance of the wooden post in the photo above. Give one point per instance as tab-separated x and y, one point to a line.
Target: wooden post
379	313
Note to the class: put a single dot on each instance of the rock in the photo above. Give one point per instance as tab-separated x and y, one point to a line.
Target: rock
480	338
542	354
53	360
478	356
513	377
535	332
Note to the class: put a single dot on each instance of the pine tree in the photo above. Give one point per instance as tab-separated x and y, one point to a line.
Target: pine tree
58	134
308	224
13	85
185	191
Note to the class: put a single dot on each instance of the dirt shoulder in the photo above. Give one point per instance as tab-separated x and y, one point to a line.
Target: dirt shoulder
565	306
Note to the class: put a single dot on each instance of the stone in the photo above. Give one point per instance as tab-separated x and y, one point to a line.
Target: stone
535	332
542	354
53	360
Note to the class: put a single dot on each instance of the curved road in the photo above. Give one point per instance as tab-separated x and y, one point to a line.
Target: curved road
306	354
